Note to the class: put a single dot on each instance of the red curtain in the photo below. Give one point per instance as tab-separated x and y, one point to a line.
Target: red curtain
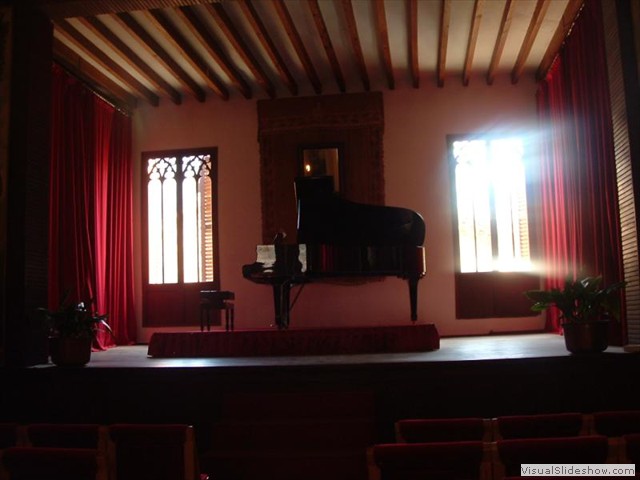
118	252
90	233
580	228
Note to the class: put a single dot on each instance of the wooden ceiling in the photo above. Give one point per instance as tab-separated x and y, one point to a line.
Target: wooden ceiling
153	51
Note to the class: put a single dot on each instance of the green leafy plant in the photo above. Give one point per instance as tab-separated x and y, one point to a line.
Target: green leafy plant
75	320
580	300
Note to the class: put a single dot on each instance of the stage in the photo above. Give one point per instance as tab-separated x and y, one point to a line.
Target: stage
455	349
479	376
484	376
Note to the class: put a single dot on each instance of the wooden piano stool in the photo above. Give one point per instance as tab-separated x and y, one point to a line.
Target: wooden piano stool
216	300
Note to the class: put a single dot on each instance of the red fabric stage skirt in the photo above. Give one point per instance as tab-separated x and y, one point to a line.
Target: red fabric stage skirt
324	341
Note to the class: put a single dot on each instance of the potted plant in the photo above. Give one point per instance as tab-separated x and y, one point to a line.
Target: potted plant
72	329
585	309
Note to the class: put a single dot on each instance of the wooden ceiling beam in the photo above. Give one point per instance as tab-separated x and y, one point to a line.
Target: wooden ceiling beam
412	28
173	35
94	78
193	46
265	40
352	30
207	40
382	32
445	18
501	40
99	29
235	38
64	28
132	26
59	9
327	44
296	41
569	16
534	26
473	39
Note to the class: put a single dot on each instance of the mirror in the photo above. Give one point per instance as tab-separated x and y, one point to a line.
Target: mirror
321	160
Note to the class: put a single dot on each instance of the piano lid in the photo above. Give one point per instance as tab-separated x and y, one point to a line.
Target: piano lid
326	218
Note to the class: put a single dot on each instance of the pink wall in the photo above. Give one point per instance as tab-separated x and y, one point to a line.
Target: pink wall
417	177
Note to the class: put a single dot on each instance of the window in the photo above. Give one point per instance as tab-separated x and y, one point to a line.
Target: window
491	227
491	201
179	190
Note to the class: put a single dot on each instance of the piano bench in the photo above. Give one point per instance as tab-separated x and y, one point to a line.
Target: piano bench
216	300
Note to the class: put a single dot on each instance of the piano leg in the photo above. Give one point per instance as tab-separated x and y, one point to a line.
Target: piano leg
413	297
281	304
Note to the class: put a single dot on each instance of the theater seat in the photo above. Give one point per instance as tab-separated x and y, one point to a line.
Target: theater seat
434	460
616	423
422	430
631	450
152	451
43	463
9	435
539	425
510	454
66	435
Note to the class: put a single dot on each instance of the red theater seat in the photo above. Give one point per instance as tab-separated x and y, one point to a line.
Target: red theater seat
35	463
539	425
153	451
66	435
9	435
511	454
436	460
631	450
616	423
442	430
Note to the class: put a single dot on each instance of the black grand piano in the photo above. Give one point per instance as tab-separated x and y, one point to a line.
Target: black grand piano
340	238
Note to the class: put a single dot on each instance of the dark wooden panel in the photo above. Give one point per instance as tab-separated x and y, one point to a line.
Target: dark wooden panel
627	200
173	305
28	188
494	294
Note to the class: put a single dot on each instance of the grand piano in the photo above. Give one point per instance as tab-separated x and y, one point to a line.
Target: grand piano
337	238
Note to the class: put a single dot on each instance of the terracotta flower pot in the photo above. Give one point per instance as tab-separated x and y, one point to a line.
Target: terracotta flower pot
70	352
586	337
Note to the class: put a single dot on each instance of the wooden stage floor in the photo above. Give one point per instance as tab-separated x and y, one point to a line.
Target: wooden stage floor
468	376
457	349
